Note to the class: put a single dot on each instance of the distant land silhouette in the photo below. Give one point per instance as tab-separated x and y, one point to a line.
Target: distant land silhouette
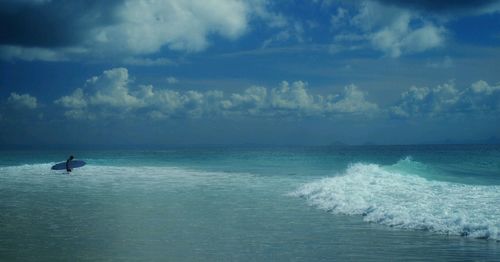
493	140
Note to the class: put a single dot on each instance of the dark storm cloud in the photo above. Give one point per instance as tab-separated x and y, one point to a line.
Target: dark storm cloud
56	23
441	5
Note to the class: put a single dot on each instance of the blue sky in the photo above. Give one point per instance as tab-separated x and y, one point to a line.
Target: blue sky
177	72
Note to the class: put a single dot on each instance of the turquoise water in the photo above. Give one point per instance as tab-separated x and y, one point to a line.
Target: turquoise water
259	204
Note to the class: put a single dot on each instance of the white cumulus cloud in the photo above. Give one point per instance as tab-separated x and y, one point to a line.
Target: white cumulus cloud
179	24
172	80
392	30
111	94
295	97
447	99
352	100
21	101
133	29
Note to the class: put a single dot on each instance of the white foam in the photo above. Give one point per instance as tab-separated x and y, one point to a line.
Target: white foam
382	195
147	177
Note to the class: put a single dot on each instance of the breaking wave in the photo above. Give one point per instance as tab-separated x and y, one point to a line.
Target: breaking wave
398	196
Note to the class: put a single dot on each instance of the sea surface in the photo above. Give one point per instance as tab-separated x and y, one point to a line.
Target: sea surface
359	203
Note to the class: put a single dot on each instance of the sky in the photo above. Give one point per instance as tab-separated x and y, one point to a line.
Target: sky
238	72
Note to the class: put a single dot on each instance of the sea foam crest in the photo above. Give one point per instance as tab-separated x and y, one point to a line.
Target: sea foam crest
123	176
385	196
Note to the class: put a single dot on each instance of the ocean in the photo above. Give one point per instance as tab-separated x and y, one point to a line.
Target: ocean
354	203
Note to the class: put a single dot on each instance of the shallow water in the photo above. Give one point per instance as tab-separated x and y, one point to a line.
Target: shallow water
281	204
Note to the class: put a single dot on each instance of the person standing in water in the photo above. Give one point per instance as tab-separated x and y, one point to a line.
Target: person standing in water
67	163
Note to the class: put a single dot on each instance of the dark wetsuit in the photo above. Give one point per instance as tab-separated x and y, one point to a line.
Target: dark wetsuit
67	164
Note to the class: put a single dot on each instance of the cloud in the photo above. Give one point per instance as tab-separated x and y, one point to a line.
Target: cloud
59	30
114	95
443	6
178	24
75	100
111	90
294	97
252	101
482	97
398	27
446	99
111	94
293	32
482	87
24	101
352	100
76	103
172	80
260	8
9	52
397	31
52	24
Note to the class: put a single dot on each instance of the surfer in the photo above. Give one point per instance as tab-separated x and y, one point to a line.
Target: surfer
67	163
